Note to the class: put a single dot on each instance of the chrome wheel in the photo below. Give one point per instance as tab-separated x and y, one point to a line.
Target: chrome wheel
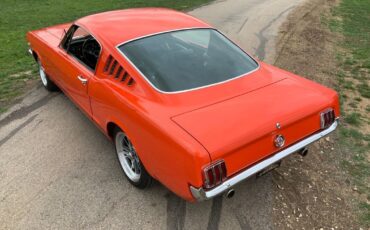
43	77
127	156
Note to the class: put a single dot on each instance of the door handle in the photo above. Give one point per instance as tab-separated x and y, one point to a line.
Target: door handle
82	79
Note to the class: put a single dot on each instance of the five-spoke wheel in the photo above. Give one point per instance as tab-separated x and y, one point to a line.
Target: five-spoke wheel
130	161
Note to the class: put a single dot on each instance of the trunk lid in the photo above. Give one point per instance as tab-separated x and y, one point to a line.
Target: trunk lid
241	130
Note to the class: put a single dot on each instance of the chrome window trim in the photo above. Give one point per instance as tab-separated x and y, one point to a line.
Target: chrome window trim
192	89
200	194
158	33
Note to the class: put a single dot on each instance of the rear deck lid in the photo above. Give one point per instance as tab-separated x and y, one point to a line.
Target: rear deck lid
242	129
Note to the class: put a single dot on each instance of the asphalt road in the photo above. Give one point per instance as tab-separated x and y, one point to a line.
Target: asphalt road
58	171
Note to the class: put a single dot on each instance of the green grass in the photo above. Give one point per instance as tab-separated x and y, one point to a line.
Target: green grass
353	105
365	208
352	134
358	99
18	17
364	89
356	145
355	16
348	84
353	24
353	119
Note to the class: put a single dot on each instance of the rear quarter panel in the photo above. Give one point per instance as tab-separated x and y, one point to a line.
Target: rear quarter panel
168	153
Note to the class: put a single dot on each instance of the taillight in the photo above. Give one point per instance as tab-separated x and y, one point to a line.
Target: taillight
214	174
327	118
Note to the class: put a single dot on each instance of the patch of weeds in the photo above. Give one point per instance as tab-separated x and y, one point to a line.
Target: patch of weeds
353	119
359	169
348	85
355	72
349	61
335	25
364	90
358	99
353	142
351	19
365	208
341	76
2	110
368	108
351	133
353	105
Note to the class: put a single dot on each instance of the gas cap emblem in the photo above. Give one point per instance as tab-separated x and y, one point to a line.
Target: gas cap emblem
279	141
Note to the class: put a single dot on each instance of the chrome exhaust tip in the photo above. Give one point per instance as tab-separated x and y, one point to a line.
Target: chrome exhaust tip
230	193
303	152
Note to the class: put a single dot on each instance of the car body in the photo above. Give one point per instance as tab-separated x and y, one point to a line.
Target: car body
196	138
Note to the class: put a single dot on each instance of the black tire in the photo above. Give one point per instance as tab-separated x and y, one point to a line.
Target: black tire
144	180
45	80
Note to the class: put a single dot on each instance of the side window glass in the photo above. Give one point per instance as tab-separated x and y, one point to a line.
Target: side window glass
80	44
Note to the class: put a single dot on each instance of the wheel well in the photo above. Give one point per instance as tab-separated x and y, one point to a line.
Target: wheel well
35	56
110	129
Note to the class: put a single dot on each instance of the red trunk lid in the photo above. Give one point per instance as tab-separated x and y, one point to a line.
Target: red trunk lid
241	130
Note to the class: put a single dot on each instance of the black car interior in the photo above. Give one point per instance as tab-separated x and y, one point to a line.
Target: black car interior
85	48
183	60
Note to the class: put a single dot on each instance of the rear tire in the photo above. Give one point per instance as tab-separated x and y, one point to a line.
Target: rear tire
130	163
45	80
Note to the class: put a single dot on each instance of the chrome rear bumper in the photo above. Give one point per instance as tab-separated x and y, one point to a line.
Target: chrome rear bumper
200	194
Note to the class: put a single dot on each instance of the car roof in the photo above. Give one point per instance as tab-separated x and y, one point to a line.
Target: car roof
120	26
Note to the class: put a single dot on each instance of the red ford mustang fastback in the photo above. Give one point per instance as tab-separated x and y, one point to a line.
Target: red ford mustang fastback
182	103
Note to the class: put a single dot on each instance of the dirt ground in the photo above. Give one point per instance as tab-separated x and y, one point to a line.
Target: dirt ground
313	193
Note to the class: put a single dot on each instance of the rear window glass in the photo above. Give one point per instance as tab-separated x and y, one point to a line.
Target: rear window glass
187	59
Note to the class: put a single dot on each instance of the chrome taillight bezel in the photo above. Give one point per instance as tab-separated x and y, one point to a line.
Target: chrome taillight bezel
327	118
214	174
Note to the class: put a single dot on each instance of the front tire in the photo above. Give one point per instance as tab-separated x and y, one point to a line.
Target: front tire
45	80
130	162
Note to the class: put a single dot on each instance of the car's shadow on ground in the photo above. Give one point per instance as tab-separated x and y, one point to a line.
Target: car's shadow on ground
63	172
249	207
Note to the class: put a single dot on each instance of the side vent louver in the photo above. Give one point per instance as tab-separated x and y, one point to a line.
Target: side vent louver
113	68
124	77
109	61
119	71
130	82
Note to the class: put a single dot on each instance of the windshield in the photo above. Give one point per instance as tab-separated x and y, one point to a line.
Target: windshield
187	59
